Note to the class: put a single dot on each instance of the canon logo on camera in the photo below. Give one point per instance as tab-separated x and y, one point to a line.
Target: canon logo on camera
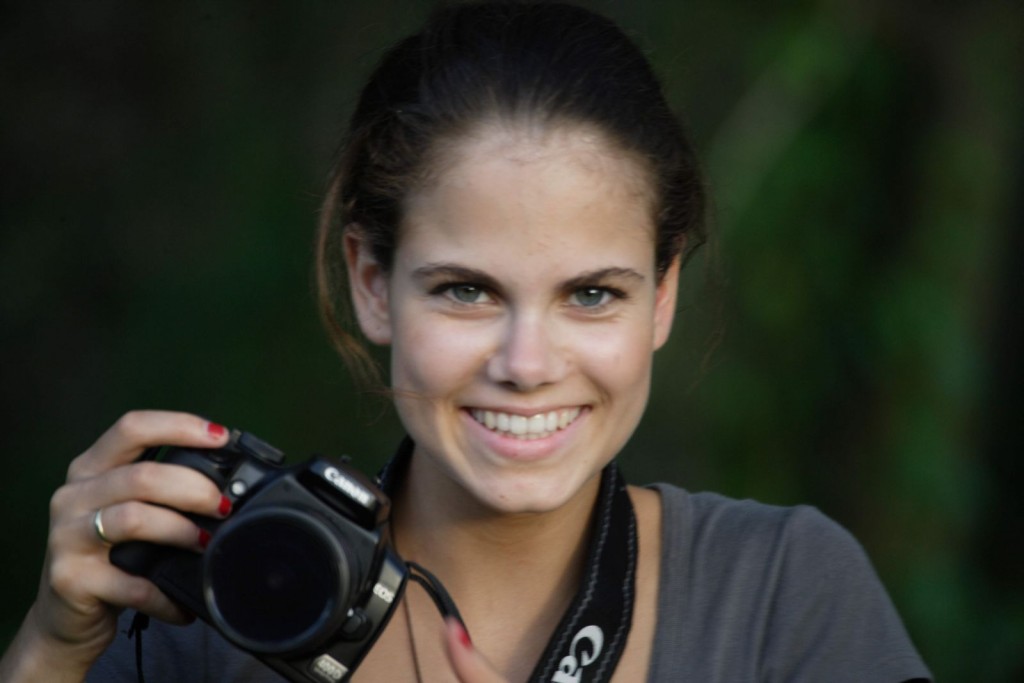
348	487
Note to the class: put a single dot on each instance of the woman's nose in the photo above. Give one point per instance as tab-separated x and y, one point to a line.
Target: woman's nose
528	355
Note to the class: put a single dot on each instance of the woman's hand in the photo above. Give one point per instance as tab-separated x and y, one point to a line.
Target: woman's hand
467	662
81	593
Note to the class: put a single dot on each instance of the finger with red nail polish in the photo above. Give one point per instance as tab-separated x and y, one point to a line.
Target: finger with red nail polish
216	431
469	665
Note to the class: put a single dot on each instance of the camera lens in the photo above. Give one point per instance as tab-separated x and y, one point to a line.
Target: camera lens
276	581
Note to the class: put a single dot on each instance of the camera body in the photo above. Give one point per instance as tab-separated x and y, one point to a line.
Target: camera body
302	574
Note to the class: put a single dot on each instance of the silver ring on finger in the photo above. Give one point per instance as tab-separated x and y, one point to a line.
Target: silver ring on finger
97	526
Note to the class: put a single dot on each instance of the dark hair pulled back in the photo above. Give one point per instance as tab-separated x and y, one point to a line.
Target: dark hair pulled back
548	64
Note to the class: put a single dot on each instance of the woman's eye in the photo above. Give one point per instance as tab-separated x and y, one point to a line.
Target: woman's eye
468	294
591	297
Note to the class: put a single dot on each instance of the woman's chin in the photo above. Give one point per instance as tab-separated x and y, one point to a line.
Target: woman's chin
521	493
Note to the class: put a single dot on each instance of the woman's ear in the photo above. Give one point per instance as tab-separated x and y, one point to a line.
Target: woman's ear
665	303
368	284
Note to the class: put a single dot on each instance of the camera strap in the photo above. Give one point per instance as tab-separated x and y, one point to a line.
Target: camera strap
589	639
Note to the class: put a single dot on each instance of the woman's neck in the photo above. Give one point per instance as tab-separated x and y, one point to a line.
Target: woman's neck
524	567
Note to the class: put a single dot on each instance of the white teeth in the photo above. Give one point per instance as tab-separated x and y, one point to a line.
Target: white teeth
534	427
517	425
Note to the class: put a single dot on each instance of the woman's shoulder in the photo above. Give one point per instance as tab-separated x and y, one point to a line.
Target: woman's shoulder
757	549
715	523
754	587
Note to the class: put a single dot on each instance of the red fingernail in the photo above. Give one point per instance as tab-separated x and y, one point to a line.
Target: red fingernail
224	509
204	538
464	636
215	430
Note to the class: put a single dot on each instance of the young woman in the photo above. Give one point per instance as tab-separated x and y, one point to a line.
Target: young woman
512	207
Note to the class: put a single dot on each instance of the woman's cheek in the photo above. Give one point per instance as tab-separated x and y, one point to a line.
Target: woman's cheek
436	359
618	355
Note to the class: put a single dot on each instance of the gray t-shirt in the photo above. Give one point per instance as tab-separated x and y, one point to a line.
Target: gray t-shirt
753	592
749	592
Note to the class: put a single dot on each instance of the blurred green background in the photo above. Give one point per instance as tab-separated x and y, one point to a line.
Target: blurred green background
851	339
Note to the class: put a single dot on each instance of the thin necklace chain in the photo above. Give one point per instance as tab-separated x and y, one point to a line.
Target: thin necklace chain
407	610
412	639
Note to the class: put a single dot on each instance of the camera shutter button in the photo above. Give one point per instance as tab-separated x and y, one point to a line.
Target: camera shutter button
238	488
260	449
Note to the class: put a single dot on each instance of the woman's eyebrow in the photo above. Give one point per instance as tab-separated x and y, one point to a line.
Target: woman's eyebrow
451	271
599	275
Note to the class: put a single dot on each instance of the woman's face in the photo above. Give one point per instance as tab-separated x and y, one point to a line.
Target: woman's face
523	310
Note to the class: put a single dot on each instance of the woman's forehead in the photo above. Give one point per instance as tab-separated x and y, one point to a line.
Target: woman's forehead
565	204
536	144
539	184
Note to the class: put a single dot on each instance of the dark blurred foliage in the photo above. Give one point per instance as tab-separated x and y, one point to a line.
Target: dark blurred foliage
850	340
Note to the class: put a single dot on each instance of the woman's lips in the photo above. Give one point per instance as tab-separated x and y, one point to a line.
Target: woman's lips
527	428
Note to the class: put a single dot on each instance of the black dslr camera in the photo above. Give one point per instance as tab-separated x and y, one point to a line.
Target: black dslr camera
302	574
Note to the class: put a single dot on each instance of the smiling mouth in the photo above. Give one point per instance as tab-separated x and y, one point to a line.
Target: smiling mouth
522	427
